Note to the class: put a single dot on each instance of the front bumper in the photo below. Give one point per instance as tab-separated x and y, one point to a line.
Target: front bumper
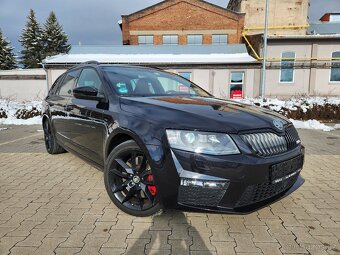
235	183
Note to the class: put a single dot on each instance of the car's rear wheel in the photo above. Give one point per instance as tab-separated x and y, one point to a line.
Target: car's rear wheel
129	180
51	144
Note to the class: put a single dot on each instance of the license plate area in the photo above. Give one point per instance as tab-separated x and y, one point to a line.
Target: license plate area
284	170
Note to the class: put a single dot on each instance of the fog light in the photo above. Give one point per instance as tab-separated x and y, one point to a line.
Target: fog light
204	183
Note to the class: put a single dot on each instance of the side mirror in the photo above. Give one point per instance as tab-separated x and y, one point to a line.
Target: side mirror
86	92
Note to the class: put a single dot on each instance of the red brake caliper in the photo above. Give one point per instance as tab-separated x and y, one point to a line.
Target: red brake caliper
151	188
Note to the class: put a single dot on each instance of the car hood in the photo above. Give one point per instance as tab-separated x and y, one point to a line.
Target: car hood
201	113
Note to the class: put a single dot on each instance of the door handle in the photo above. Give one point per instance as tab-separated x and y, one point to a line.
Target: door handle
68	107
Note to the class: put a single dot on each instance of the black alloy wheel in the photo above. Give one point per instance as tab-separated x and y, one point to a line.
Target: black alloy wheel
51	144
129	181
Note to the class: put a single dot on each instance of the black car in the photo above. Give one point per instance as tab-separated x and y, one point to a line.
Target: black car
165	142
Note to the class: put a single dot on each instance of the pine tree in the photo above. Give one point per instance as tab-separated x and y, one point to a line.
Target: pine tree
31	41
7	57
55	39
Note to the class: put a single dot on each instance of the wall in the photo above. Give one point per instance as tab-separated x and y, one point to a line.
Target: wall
307	80
300	85
217	81
53	74
182	18
281	13
23	85
311	77
322	84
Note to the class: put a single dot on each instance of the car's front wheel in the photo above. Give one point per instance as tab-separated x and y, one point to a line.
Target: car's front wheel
129	180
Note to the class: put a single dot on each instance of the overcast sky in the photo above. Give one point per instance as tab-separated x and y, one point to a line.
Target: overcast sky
95	21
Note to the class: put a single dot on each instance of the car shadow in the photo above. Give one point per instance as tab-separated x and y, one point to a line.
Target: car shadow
175	237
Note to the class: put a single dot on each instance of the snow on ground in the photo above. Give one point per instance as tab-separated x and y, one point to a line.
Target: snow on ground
293	103
312	124
11	107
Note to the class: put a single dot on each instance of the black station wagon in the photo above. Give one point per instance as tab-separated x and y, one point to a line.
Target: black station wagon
163	141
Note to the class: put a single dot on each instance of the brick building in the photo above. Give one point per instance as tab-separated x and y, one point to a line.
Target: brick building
173	22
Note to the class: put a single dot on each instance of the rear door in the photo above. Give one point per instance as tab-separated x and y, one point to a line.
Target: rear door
59	114
87	127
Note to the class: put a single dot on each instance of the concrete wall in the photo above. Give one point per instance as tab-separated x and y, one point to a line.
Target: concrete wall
311	77
312	81
281	13
53	74
23	85
217	81
300	84
322	84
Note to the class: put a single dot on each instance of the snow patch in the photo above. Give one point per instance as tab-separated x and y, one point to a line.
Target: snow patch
11	108
293	103
311	124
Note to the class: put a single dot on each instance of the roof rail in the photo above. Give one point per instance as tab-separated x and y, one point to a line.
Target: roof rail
93	62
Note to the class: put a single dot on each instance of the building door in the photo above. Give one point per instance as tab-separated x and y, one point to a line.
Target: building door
236	85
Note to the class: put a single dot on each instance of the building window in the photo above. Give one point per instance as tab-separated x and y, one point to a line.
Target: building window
145	39
335	67
219	39
287	66
170	39
186	75
236	84
195	39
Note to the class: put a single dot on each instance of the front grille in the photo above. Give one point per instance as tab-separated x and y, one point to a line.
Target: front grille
259	192
268	143
200	196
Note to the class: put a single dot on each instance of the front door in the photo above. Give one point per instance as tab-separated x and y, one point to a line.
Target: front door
88	127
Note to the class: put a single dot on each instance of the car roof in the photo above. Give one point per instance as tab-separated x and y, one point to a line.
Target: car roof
97	64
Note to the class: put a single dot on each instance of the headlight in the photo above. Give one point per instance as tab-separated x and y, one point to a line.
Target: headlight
202	142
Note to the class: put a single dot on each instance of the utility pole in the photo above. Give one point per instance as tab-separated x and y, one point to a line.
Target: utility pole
264	52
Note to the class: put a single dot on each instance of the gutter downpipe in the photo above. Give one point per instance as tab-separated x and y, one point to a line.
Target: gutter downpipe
264	60
46	79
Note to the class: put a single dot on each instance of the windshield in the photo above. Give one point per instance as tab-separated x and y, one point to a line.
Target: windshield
136	82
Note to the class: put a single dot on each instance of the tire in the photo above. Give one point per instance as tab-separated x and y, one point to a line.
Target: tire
51	144
129	181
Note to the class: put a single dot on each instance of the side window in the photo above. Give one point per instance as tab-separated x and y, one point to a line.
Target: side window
65	89
174	86
186	75
90	78
56	85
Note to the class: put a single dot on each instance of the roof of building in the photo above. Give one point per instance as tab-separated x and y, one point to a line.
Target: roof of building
328	28
162	54
164	4
330	13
